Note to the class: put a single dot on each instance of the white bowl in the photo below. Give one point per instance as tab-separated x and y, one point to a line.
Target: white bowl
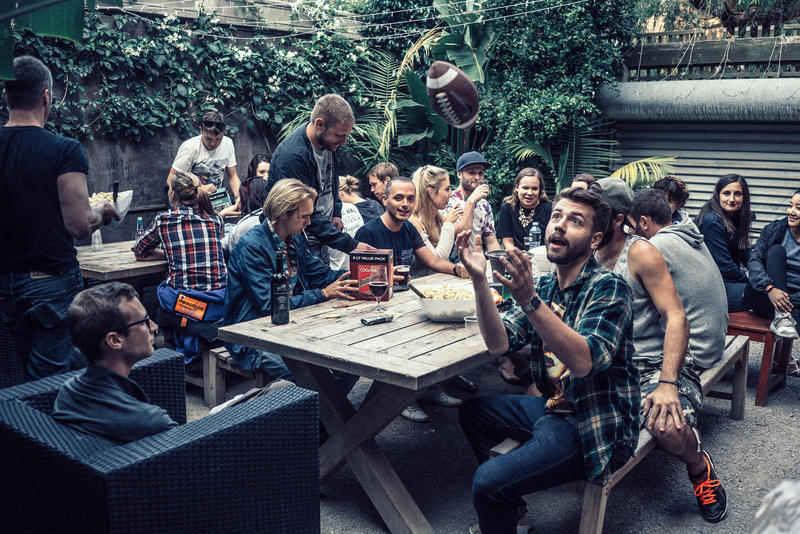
447	310
123	203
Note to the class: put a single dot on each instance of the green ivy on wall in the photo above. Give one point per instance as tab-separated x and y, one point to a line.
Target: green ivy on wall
133	76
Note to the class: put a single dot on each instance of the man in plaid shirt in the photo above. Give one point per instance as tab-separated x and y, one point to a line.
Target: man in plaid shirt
580	418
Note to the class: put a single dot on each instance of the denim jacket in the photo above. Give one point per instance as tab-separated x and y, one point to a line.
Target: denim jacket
250	269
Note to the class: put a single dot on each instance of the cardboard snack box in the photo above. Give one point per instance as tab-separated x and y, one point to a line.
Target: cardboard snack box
362	267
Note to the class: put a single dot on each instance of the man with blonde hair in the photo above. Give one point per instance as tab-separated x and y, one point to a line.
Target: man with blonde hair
309	154
287	212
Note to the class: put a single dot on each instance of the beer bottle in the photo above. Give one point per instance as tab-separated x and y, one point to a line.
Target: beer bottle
280	291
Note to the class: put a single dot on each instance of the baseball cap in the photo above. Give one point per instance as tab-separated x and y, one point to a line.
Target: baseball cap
468	158
616	193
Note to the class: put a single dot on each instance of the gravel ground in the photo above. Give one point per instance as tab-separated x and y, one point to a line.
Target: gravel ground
434	460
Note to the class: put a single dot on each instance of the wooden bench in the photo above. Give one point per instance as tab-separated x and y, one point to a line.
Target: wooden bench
757	329
595	497
216	361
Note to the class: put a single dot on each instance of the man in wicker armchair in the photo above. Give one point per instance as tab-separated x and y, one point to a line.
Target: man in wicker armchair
111	327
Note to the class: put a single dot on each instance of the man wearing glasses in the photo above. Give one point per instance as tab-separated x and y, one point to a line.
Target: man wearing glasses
209	156
111	327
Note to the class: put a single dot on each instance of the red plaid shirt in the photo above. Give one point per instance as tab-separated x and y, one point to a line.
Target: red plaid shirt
193	247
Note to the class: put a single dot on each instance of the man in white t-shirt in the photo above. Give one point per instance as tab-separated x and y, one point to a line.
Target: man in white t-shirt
209	156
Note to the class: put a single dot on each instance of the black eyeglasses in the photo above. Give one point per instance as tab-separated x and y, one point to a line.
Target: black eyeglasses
145	320
214	124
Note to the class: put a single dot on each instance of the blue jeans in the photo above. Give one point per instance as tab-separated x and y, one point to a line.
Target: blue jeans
551	455
36	311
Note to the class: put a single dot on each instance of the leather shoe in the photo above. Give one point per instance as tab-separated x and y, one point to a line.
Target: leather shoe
463	383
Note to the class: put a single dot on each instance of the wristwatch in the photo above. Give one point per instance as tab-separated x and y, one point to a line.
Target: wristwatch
533	305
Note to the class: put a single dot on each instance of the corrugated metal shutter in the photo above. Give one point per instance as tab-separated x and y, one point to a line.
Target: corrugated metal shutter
766	154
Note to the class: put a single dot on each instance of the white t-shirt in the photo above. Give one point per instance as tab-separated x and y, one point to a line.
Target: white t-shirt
209	166
351	221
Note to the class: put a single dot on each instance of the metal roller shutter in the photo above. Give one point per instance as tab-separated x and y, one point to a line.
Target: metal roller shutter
766	154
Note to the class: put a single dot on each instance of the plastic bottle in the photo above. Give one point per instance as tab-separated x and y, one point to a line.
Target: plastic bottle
280	292
534	236
139	228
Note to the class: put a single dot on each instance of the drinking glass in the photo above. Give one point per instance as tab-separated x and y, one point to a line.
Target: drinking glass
378	285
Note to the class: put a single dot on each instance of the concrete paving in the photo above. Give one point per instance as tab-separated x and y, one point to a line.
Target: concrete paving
435	462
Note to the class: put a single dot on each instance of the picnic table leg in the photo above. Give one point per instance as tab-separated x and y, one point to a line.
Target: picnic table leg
740	383
373	471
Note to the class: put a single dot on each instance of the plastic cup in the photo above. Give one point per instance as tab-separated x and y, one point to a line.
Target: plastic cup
403	270
472	333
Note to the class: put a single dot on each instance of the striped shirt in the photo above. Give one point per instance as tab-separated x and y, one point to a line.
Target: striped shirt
193	247
598	306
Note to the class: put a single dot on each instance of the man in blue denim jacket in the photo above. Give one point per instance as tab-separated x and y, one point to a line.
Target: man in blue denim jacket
287	212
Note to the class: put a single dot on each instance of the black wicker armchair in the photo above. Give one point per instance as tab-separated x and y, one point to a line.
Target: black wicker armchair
251	468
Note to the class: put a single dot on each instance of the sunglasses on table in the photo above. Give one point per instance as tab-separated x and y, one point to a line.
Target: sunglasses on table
214	124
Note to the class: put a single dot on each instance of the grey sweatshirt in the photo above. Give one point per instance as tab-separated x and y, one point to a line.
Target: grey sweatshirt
700	287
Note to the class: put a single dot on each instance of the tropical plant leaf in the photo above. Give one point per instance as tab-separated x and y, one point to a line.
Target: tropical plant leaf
641	173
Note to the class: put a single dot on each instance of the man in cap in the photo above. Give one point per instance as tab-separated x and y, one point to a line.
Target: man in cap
671	389
471	196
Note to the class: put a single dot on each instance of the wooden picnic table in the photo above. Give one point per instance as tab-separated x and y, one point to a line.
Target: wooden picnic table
401	357
117	262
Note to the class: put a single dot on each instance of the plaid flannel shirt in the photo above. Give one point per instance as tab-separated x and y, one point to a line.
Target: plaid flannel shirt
598	306
193	247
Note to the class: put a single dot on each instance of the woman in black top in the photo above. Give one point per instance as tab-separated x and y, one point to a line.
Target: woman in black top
724	221
527	203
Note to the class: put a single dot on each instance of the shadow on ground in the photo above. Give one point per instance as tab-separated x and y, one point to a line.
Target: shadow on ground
435	462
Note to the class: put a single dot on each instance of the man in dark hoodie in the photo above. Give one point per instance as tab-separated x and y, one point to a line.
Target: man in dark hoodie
309	154
670	381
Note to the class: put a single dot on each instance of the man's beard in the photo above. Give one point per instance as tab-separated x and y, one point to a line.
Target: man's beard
325	145
569	253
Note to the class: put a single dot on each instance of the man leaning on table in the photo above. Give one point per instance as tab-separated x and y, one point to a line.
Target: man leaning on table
580	418
44	205
287	212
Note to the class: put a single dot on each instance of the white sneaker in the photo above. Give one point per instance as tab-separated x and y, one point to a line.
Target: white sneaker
414	413
783	325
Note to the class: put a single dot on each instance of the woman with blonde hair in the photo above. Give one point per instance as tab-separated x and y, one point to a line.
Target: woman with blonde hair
191	234
437	230
527	203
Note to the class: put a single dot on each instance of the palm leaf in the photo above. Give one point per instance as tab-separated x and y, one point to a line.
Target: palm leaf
641	173
301	115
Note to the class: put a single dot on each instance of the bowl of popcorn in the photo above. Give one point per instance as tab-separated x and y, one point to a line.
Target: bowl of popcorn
122	205
446	303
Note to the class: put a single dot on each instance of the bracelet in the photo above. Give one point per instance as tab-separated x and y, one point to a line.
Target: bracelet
769	288
455	270
673	382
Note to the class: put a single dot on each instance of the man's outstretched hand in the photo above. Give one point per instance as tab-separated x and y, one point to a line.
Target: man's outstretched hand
472	258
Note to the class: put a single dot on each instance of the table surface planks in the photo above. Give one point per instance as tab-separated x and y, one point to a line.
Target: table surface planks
412	351
116	262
